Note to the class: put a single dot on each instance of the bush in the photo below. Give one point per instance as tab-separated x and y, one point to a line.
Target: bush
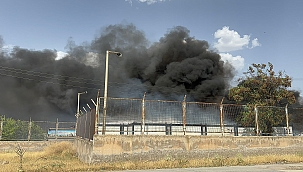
18	130
63	149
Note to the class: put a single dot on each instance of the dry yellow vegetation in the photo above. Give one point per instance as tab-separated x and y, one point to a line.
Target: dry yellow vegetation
62	157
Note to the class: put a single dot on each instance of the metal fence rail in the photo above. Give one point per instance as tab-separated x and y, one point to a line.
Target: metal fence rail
192	129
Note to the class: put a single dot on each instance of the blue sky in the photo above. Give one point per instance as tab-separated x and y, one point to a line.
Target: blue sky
243	32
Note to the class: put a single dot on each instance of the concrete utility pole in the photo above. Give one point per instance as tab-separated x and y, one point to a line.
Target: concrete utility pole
105	87
78	110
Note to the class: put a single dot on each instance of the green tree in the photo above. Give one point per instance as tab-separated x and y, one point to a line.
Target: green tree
37	132
18	130
262	87
9	129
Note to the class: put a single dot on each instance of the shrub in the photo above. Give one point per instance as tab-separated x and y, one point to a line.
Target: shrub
63	149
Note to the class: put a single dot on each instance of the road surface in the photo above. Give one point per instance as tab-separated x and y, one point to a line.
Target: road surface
255	168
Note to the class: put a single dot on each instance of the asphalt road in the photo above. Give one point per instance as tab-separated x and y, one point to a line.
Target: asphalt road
255	168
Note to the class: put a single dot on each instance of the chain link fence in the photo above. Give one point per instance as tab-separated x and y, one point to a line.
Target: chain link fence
127	116
86	125
16	130
160	117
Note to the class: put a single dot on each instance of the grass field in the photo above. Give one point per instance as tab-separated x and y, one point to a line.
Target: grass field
62	157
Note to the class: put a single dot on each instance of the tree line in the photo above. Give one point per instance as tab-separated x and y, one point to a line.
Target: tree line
12	129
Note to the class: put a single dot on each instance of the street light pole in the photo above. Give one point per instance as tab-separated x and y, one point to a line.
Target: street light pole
78	110
105	87
78	107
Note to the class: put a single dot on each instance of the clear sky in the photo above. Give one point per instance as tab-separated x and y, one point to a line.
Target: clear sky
243	32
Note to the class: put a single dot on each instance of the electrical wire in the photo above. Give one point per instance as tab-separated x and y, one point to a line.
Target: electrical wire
74	81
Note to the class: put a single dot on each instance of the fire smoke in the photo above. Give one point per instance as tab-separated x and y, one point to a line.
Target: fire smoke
35	84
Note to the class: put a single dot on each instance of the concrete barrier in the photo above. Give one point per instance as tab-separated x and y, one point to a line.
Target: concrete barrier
109	148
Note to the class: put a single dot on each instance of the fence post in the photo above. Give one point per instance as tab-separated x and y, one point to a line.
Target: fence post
80	125
205	129
221	117
1	127
29	129
143	115
184	114
97	112
167	129
76	125
122	129
133	128
236	130
256	120
56	133
90	130
85	136
287	124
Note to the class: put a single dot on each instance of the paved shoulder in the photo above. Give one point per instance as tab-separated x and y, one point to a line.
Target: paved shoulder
255	168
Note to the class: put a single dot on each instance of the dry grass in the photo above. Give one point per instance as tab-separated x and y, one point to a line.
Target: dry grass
62	157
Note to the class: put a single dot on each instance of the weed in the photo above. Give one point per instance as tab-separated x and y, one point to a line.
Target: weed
218	161
20	152
239	160
183	163
63	149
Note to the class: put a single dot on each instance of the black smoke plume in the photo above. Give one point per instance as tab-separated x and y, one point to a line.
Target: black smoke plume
35	84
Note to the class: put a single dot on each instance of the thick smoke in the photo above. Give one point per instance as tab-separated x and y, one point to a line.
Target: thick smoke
176	65
35	84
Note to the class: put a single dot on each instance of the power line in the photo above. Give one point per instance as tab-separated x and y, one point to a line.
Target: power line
74	80
45	75
50	82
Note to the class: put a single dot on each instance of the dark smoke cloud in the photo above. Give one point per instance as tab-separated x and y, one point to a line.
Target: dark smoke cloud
34	84
176	65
